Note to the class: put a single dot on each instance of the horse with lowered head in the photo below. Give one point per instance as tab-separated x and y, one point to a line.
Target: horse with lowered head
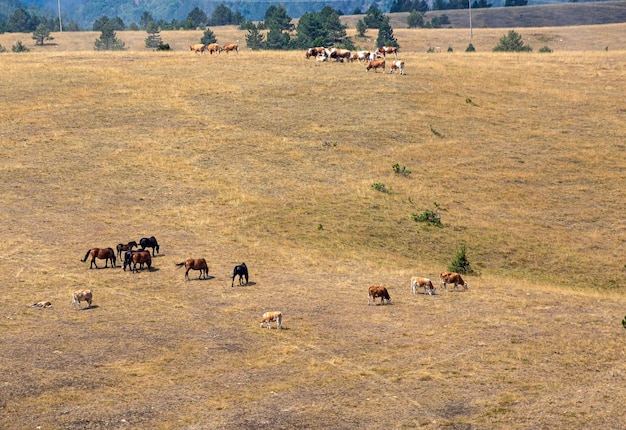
139	256
105	254
125	247
242	271
195	264
149	242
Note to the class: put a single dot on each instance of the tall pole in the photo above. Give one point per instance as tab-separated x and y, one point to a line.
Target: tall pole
470	16
60	25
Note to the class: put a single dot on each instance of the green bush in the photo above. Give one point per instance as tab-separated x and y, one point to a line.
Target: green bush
512	42
401	170
20	47
545	49
461	264
429	216
470	48
378	186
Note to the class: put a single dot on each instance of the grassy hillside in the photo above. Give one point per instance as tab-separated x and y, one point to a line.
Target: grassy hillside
270	159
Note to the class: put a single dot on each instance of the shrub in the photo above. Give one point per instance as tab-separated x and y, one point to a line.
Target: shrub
19	47
512	42
624	322
163	47
378	186
3	49
545	49
470	48
429	216
461	264
401	170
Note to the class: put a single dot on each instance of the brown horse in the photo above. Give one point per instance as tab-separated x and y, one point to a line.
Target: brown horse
141	257
195	264
105	254
123	248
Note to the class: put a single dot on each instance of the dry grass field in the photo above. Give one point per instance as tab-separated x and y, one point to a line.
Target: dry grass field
270	159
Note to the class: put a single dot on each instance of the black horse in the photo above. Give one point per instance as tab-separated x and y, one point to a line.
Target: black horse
151	242
242	271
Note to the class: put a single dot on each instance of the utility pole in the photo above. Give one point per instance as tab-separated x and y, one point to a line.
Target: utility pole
60	25
470	17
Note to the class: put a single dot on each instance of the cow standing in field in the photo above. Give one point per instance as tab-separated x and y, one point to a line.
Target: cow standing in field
213	47
375	292
425	283
231	47
313	52
375	64
446	278
198	48
82	296
274	316
384	50
397	65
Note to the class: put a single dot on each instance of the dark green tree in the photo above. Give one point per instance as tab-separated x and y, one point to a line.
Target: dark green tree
154	35
42	34
415	19
461	264
515	2
222	15
196	19
512	42
19	47
310	31
336	31
361	28
115	24
277	17
374	17
277	39
145	19
481	4
208	37
21	22
254	38
385	35
108	40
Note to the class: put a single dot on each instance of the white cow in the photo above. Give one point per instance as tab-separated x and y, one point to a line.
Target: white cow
274	316
425	283
82	296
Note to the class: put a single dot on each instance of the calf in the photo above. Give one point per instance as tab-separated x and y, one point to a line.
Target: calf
446	278
397	65
41	305
376	291
82	296
197	48
425	283
269	317
375	64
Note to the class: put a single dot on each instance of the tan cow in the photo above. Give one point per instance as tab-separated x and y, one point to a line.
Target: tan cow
446	278
82	296
231	47
213	47
397	65
197	48
375	64
269	317
425	283
378	291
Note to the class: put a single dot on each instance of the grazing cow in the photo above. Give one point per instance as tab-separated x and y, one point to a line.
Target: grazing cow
242	271
231	47
82	296
384	50
213	47
195	264
397	65
269	317
105	254
123	248
41	305
313	52
425	283
150	242
342	54
321	57
375	64
360	56
198	48
446	278
376	291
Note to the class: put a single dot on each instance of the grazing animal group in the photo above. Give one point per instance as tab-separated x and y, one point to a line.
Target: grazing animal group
200	48
374	60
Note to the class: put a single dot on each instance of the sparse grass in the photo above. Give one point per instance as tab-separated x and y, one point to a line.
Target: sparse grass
220	157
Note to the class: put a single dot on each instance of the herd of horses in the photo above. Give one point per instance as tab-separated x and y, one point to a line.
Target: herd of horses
141	256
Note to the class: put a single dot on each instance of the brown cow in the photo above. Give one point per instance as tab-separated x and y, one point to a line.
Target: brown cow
197	48
269	317
375	64
231	47
214	47
377	291
425	283
446	278
82	296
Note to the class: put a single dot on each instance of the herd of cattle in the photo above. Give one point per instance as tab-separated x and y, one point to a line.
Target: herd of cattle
374	60
142	256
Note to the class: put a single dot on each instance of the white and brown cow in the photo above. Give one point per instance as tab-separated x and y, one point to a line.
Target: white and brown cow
274	316
231	47
446	278
82	296
376	291
314	52
384	50
213	47
197	48
360	56
375	64
397	65
425	283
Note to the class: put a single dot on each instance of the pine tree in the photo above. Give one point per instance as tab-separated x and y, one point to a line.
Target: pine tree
254	38
41	34
154	35
385	35
108	40
208	37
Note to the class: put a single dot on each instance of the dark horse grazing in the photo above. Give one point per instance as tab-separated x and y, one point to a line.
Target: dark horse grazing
150	242
137	257
242	271
123	248
195	264
105	254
